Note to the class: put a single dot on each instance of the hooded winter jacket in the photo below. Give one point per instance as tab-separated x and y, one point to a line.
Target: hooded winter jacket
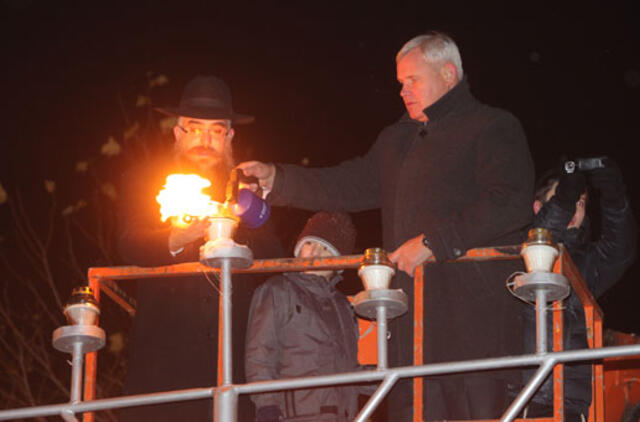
301	325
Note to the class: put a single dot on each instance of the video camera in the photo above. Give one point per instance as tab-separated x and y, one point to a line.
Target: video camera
583	164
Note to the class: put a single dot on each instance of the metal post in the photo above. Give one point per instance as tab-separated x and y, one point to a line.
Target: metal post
77	362
68	416
528	391
376	398
541	321
225	297
225	405
76	373
381	316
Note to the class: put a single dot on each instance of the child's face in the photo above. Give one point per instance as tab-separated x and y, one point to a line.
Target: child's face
312	249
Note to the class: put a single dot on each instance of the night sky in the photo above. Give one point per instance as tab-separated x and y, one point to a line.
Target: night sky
320	79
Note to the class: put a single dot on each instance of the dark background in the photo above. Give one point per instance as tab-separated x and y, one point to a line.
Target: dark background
320	79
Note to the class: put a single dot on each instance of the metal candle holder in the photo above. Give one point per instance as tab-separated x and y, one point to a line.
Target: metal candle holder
220	251
540	284
377	300
220	245
81	337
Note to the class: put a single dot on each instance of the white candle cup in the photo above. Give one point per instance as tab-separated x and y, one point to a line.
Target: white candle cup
539	258
376	277
221	228
82	314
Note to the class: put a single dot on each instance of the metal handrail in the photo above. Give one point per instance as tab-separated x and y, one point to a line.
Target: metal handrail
325	380
100	279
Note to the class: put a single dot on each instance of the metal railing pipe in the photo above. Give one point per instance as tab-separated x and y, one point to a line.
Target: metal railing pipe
105	404
541	321
225	405
376	398
68	416
381	317
325	380
437	369
528	391
225	298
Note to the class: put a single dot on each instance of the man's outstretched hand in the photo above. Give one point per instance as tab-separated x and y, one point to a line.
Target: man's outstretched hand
264	172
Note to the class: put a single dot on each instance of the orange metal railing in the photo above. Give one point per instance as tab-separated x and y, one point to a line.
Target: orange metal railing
102	280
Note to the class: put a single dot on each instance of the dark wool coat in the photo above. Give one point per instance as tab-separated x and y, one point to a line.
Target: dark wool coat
301	325
601	264
174	339
465	179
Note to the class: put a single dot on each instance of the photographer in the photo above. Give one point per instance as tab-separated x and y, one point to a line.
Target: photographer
561	206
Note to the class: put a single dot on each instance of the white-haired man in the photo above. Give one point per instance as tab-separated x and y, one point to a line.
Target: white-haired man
451	174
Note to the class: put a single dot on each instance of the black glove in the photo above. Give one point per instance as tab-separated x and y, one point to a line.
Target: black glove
271	413
570	187
608	181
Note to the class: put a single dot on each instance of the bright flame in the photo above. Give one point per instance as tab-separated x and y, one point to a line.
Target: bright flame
182	198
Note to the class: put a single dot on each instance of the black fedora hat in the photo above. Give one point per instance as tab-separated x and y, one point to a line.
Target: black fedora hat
206	97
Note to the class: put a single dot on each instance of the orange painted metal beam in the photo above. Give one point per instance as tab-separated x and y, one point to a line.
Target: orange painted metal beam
418	341
194	268
598	373
91	360
558	335
110	288
593	319
279	265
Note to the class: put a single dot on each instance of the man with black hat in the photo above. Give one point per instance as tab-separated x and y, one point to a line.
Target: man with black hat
301	325
175	331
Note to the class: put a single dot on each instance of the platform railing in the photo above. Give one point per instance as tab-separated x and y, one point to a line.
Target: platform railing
102	280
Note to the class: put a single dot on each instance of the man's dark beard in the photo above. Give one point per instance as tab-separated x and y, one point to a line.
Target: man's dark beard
218	175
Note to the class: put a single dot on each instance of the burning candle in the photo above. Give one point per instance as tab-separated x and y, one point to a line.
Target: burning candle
182	200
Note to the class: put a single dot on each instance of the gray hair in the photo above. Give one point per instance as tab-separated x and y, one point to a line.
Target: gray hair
436	47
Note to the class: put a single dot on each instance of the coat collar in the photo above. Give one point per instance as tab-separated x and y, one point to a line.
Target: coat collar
450	101
315	284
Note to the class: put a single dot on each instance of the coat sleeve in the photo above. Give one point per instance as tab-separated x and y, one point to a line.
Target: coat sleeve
503	204
263	348
350	186
614	251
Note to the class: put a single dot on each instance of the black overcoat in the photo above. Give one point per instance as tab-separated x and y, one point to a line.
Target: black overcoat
464	180
174	339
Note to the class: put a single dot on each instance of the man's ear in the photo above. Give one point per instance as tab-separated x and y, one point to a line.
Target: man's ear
230	134
449	73
537	206
177	132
